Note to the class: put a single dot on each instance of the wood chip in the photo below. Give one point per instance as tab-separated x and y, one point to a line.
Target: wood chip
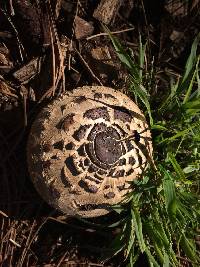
27	72
83	28
107	10
6	89
176	35
101	53
177	8
5	63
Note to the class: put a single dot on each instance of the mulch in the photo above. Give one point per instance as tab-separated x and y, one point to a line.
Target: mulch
47	47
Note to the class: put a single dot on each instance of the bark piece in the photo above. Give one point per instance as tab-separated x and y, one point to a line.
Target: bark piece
28	71
103	54
83	28
5	62
177	8
107	10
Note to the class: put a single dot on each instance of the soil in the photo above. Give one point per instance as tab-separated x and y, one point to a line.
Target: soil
47	47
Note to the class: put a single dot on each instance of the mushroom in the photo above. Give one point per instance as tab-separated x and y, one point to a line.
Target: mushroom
85	148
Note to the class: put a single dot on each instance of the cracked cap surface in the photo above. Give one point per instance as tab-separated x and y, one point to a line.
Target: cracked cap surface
83	150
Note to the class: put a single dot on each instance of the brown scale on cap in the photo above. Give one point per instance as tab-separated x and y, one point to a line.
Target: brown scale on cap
83	154
67	122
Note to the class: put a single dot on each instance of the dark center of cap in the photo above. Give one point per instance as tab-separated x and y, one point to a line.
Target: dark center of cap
107	149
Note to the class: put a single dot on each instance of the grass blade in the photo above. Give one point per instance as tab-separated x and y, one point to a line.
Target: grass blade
170	195
198	83
189	248
140	91
190	86
166	260
131	239
133	258
151	258
192	107
142	50
138	228
135	70
177	167
191	59
123	55
180	134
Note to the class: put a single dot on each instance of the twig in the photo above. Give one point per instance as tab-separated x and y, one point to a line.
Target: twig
105	34
184	259
24	97
12	11
14	243
27	244
61	68
58	6
20	46
3	214
88	67
73	32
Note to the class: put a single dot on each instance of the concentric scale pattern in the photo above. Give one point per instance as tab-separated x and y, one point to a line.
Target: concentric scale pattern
86	147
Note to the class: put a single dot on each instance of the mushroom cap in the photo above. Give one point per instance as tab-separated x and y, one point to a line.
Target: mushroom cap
85	148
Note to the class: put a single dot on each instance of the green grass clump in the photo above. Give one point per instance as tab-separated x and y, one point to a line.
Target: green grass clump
164	209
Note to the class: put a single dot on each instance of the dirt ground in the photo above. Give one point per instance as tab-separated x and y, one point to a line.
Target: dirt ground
47	47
